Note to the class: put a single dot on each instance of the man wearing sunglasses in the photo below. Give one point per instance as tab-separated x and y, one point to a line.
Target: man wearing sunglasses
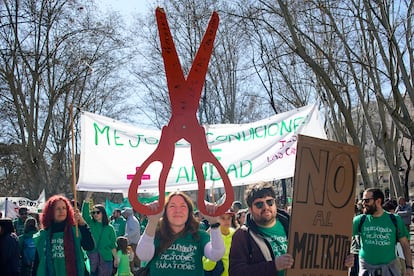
378	236
260	246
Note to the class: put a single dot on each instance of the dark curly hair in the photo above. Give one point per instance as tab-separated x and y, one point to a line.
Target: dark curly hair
258	190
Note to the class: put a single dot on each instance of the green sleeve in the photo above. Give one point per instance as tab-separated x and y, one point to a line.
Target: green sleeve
355	224
85	212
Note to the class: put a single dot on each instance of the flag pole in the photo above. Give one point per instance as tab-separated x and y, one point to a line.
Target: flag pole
75	205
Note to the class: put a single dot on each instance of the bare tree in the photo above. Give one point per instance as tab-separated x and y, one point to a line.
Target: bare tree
228	96
359	52
53	54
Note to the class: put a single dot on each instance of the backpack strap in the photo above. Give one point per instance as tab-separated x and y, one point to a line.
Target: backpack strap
361	221
394	221
392	217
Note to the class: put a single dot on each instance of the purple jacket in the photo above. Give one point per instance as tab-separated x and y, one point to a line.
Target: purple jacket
240	262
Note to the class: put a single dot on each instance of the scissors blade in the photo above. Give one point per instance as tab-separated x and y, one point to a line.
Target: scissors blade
181	90
173	70
198	70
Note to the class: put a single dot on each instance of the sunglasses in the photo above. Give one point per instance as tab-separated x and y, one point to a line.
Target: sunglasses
260	204
366	200
95	212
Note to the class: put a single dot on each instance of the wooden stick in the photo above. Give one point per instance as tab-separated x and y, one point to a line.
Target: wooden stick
73	165
212	193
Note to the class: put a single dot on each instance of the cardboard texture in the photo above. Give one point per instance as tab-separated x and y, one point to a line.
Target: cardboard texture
322	207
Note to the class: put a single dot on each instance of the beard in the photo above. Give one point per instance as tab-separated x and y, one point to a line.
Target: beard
369	210
263	220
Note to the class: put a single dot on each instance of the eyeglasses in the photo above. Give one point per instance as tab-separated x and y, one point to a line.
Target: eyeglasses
95	212
260	204
366	200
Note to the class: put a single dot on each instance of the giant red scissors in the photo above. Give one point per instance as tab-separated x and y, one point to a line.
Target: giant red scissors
184	98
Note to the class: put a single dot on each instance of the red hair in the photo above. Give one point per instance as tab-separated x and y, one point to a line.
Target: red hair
49	211
47	220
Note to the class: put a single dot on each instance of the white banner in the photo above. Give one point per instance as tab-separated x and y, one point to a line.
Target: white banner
111	151
10	205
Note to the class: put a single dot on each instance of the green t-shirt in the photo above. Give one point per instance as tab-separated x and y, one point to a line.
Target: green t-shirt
378	238
104	236
19	226
123	265
57	252
278	240
119	226
182	258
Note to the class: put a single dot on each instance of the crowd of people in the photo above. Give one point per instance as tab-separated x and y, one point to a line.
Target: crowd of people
69	239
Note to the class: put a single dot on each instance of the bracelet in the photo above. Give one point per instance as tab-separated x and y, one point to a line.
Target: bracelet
409	266
215	225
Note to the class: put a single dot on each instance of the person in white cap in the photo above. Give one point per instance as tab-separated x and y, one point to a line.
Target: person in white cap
132	233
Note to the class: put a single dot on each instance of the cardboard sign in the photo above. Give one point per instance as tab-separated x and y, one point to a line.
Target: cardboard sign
322	207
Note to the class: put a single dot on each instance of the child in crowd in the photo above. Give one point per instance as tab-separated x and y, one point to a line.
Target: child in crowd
124	257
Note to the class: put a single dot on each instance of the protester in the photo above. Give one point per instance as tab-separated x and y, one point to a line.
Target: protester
227	231
236	206
266	227
241	216
9	249
177	245
118	222
27	246
132	233
123	257
59	244
379	232
103	257
404	211
355	245
390	206
19	221
199	217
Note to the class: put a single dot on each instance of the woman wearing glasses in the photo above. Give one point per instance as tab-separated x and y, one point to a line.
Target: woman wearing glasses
103	257
58	244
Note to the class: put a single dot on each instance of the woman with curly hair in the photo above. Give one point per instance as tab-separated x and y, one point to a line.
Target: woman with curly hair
175	244
103	257
58	244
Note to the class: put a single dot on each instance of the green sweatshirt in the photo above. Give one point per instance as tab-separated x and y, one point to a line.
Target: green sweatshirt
104	236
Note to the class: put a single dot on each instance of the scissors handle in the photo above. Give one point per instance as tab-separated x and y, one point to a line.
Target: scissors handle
201	154
228	188
164	153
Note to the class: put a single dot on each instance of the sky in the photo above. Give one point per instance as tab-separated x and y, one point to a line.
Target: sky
129	9
125	7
